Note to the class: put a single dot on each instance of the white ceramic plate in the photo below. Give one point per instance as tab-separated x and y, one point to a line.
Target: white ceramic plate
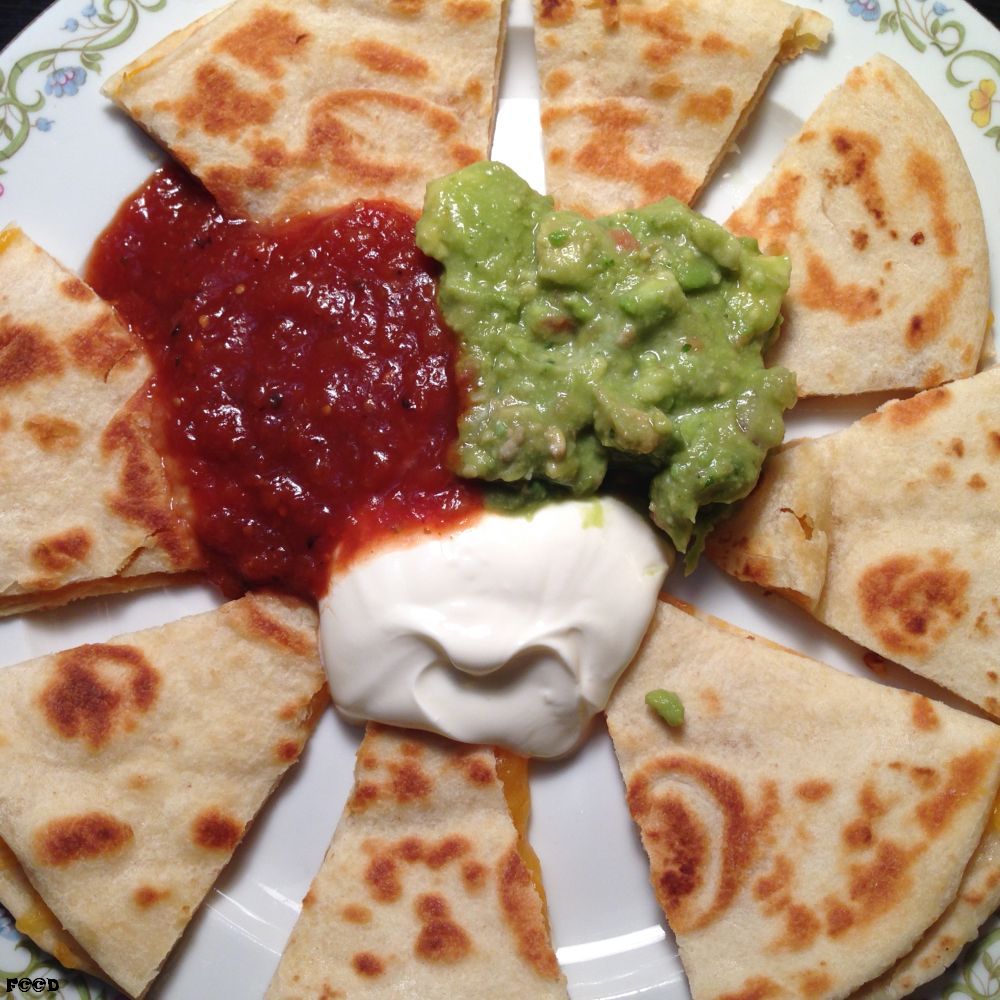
68	160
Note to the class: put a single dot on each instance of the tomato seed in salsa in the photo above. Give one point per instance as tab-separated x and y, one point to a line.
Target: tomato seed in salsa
304	371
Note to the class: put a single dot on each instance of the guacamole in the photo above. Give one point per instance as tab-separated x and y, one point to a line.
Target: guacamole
629	341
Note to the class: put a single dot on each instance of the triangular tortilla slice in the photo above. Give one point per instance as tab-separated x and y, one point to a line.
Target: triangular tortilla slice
427	889
977	898
642	99
287	106
85	506
805	824
130	770
898	525
876	208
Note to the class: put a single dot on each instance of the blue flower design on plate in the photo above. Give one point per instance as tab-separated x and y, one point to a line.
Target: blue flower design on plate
44	124
6	920
940	10
71	24
65	82
89	11
867	10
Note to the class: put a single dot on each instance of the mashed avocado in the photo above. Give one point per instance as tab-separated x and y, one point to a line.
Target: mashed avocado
633	340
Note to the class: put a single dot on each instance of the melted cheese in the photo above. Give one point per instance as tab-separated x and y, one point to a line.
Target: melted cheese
512	770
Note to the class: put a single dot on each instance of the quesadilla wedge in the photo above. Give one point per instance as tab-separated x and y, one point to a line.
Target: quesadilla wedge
85	506
874	204
977	898
898	542
427	889
642	100
287	106
130	770
808	825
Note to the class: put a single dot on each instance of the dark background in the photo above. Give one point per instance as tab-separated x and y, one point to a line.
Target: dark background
15	14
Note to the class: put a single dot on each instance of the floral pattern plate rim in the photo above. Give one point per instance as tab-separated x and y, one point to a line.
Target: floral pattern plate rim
67	160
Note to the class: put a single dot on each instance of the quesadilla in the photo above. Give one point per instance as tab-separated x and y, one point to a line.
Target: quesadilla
896	529
85	506
806	824
427	889
130	770
977	898
287	106
642	100
876	208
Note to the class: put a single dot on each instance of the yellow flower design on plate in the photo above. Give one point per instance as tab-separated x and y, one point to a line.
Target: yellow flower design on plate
981	102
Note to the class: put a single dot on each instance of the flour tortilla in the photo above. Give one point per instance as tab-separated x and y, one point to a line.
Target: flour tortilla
807	825
904	521
423	892
130	770
978	897
642	100
34	919
874	204
85	506
287	106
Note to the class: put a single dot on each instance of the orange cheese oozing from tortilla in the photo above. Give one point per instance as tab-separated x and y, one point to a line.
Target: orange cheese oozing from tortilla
512	770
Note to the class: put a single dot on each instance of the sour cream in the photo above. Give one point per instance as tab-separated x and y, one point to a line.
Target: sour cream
511	631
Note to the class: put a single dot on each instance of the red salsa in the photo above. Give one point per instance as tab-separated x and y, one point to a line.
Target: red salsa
304	371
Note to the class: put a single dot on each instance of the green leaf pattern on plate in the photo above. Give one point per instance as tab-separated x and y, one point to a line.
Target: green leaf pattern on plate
60	71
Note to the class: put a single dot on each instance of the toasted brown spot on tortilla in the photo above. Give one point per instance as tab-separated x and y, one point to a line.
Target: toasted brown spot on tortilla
774	215
775	882
365	793
141	495
146	896
266	41
479	771
555	11
440	938
917	238
58	553
77	838
367	963
220	106
926	326
926	777
926	175
463	154
941	472
557	80
822	291
474	875
814	984
710	108
857	152
259	624
715	43
215	830
410	849
965	776
384	58
838	918
957	447
912	411
25	354
881	884
467	11
976	482
409	781
755	988
802	927
859	238
382	879
288	750
522	912
87	695
74	288
54	433
933	376
677	860
355	913
97	348
814	790
138	782
607	152
912	602
446	850
665	85
858	834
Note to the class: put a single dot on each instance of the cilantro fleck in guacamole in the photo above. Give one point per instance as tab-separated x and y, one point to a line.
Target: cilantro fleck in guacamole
634	340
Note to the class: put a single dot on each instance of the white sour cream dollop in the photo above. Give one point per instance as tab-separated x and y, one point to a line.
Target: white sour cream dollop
511	631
